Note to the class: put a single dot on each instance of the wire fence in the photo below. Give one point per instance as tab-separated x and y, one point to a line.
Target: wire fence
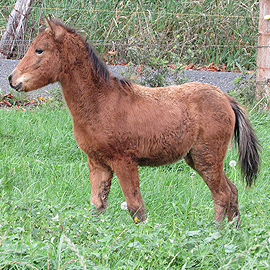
190	32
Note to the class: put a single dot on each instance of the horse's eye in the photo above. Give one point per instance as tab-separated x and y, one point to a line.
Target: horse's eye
39	51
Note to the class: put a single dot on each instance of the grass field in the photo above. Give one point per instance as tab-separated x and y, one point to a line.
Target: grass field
47	222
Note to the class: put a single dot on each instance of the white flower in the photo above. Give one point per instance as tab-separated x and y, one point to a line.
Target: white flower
56	218
124	206
232	163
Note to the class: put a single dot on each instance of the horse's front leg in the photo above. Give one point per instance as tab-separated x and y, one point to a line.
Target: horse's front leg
100	178
127	173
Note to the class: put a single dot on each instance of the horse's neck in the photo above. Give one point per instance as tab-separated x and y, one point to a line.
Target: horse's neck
83	94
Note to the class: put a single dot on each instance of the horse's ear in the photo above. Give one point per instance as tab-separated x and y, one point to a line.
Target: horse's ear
49	23
56	30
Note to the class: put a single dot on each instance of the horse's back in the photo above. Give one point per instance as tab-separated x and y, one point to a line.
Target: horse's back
201	101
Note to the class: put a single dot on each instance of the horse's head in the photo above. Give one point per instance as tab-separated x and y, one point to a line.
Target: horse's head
41	64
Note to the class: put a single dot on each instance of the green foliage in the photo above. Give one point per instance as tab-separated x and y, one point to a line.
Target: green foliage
154	71
47	222
248	92
245	89
198	32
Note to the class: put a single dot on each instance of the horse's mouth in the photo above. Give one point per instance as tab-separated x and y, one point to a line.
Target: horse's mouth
17	87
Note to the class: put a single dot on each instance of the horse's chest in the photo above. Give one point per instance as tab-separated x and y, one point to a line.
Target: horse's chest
89	140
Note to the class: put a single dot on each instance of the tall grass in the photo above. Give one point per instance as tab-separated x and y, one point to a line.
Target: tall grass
47	222
190	32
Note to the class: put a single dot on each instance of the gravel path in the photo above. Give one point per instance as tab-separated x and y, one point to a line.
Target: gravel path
223	80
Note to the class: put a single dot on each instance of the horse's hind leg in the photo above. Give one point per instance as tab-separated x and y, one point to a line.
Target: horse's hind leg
209	164
100	178
233	211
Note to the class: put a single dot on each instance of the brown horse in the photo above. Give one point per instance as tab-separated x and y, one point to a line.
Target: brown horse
120	125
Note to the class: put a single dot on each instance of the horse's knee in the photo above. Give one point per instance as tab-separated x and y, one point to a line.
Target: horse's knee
100	204
99	195
100	178
97	203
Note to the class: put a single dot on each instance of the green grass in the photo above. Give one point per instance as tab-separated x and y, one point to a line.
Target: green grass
47	222
187	32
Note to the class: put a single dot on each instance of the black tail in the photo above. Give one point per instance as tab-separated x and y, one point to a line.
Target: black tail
249	148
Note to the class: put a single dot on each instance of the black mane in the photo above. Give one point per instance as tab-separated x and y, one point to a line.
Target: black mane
101	71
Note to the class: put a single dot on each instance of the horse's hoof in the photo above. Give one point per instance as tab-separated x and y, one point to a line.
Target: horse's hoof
138	216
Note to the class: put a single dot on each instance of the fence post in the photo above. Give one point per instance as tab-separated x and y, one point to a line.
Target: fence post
16	27
263	57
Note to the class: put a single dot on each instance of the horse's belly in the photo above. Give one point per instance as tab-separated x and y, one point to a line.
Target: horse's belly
166	155
158	161
165	149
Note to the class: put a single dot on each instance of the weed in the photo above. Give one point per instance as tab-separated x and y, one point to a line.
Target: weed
198	32
249	93
153	70
245	89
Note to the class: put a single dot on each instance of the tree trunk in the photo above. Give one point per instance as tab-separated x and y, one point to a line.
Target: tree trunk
16	27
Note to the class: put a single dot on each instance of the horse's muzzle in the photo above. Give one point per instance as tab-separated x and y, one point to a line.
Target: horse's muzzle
16	87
